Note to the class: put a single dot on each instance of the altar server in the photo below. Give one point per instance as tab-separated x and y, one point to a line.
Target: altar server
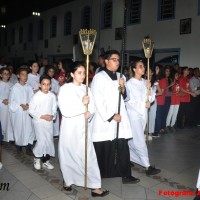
19	99
72	101
43	109
104	88
5	87
139	99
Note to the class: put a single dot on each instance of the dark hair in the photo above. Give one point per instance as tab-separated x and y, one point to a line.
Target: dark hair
183	69
101	56
109	53
21	69
4	69
169	80
174	74
48	67
196	69
67	64
74	67
133	66
45	76
160	74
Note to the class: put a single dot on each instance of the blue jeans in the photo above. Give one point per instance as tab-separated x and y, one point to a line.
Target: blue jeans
159	118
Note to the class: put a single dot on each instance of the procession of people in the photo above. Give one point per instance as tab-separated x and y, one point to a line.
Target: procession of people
41	107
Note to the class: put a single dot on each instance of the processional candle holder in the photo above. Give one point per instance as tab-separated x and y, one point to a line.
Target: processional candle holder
148	46
87	38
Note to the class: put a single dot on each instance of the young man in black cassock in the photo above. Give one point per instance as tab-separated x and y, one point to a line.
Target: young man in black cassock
104	88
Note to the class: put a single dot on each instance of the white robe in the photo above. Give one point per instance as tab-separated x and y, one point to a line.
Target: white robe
7	132
13	79
137	97
20	119
42	104
55	88
198	181
106	95
33	81
71	148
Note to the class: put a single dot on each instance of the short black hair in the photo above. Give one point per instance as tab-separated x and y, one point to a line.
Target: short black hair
4	69
45	76
48	67
109	53
21	69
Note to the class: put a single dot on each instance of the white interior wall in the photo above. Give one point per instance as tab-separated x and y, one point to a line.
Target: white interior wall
165	33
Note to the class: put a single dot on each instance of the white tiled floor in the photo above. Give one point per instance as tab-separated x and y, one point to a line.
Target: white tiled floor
177	154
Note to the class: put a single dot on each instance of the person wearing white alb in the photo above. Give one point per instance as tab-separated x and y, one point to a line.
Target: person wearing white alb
43	109
137	102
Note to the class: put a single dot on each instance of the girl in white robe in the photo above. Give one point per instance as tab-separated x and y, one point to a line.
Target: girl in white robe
137	111
34	77
5	87
43	108
19	99
72	101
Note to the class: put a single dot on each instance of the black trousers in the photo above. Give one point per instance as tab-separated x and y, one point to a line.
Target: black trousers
45	158
105	152
183	117
194	110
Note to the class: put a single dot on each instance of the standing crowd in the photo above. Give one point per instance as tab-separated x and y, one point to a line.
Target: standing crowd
40	103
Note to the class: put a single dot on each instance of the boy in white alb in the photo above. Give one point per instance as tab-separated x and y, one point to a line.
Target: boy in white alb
5	87
43	109
19	99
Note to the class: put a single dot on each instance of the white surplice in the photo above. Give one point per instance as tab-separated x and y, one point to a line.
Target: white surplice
7	132
106	95
71	148
33	81
20	119
39	105
137	97
55	87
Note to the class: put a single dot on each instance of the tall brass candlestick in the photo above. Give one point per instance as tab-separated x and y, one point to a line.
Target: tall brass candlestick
148	45
87	38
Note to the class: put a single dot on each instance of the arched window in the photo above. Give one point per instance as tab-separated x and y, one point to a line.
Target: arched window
85	18
40	30
53	27
107	14
68	23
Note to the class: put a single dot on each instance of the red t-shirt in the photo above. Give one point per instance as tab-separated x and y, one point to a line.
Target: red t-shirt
185	84
161	98
175	97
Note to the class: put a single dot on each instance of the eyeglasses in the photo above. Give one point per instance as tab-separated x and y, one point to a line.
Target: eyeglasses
114	59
